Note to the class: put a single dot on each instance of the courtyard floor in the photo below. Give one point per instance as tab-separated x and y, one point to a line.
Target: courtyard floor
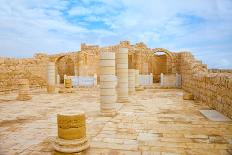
155	121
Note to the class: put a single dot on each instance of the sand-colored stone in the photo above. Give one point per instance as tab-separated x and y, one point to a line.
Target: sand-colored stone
51	77
122	74
131	81
188	96
71	132
107	83
136	78
68	83
67	86
211	86
23	94
153	121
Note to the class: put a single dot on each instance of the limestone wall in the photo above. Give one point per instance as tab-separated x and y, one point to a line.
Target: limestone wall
213	89
220	70
12	69
88	60
84	63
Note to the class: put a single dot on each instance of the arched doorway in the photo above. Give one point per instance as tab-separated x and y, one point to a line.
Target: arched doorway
162	63
64	66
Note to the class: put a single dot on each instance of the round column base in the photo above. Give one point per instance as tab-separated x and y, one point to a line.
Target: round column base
188	96
66	90
108	112
51	89
63	146
122	100
139	88
24	97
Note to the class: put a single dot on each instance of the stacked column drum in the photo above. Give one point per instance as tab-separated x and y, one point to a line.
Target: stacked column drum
23	90
131	80
107	84
71	132
145	68
122	74
68	83
51	77
95	80
136	78
58	80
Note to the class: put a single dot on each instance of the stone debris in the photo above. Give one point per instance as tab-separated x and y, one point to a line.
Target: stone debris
188	96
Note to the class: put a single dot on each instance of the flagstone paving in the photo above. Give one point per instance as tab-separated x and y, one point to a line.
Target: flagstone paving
155	121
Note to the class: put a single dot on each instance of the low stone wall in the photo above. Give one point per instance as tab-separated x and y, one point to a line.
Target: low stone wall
170	80
213	89
220	70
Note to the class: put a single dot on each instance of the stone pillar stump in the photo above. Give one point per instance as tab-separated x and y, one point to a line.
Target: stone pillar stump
71	133
23	94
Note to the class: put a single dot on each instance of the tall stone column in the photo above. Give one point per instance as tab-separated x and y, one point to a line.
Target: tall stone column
107	84
131	80
122	74
145	68
95	80
76	70
137	78
51	77
151	79
58	80
161	79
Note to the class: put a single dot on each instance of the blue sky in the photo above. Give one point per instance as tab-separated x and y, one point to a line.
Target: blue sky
53	26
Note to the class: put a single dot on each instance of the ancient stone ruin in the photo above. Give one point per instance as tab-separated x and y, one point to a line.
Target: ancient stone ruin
129	99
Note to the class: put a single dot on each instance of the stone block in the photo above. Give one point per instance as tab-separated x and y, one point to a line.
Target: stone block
188	96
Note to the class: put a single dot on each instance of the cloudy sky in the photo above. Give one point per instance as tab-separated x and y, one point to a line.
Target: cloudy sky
201	26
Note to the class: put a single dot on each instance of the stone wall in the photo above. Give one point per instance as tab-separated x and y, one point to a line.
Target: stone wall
220	70
213	89
84	63
12	69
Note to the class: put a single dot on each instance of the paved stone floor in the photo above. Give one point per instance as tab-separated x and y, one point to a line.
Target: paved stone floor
155	121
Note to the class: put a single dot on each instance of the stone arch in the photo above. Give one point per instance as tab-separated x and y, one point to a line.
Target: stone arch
68	69
166	59
155	50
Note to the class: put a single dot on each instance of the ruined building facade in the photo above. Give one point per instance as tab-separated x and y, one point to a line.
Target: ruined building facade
211	87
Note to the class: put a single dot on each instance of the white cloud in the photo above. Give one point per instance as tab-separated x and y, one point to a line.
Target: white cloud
31	26
79	11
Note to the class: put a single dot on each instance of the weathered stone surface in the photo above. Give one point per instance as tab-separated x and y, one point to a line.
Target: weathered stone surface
154	120
71	132
188	96
212	87
23	94
107	83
